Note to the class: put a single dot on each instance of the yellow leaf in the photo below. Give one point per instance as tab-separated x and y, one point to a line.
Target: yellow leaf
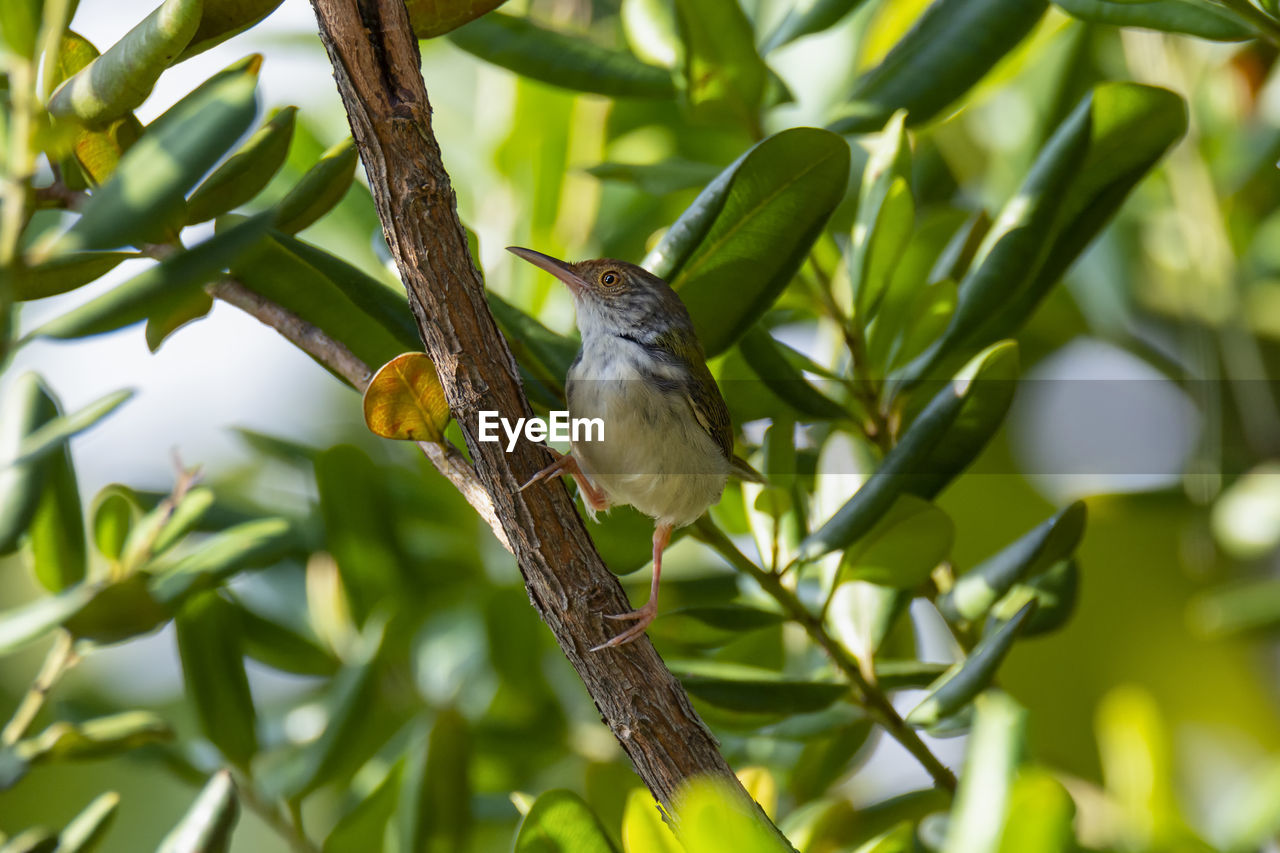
404	400
760	784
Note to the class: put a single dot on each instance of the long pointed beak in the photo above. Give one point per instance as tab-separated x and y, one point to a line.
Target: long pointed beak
557	268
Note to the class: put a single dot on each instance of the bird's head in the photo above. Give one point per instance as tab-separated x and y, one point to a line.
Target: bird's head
614	297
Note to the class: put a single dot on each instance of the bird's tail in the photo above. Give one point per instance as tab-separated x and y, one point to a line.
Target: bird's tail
741	468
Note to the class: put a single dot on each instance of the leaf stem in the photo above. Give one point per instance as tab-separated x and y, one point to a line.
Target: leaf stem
61	657
871	696
287	822
1268	27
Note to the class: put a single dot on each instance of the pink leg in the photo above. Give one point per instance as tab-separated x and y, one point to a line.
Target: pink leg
646	614
566	464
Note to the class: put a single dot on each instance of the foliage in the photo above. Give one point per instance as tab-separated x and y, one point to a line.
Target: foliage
869	293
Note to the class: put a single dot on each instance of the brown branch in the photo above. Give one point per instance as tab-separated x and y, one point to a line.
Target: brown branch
376	64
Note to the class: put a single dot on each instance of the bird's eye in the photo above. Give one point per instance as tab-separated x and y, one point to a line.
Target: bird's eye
609	279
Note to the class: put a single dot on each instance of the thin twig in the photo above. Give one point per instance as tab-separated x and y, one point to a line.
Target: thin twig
287	824
61	657
872	698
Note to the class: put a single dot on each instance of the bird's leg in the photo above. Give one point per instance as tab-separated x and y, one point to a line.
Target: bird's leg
646	614
594	497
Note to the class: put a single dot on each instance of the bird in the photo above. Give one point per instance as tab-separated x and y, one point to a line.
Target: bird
667	444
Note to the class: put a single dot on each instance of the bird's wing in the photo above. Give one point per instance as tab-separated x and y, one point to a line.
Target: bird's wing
709	407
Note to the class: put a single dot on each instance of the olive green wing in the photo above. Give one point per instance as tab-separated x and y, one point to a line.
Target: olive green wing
709	407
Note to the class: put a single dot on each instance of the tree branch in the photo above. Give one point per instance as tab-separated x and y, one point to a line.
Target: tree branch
376	63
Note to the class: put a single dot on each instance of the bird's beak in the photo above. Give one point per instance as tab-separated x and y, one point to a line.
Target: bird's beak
559	269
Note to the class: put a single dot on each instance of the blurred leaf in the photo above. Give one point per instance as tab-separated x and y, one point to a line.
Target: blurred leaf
59	549
711	817
117	610
122	78
570	61
1054	592
1040	815
863	615
366	822
1240	607
763	354
405	400
244	174
737	246
969	677
737	687
99	152
810	16
712	625
981	587
320	189
207	826
61	274
953	45
1138	768
885	215
249	545
34	840
1246	516
85	831
25	408
208	634
643	829
666	176
824	760
910	807
561	822
435	799
280	647
431	18
53	434
223	19
905	674
544	353
160	325
19	24
31	621
904	546
1254	816
1190	17
101	737
112	520
824	824
982	800
760	786
943	439
650	30
146	192
724	77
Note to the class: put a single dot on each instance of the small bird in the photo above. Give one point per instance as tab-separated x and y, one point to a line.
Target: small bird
667	447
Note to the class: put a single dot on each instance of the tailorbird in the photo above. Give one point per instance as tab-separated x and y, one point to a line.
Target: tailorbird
667	447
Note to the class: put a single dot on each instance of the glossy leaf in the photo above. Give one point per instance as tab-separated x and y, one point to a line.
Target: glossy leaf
435	797
1190	17
1055	592
61	274
213	671
208	824
561	820
969	677
223	19
953	45
25	408
569	61
405	400
943	439
320	189
802	19
86	830
122	78
737	687
244	174
763	354
733	251
904	546
643	829
161	286
147	190
982	800
978	589
724	77
367	820
59	549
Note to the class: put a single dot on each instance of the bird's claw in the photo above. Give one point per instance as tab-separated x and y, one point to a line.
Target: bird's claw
642	617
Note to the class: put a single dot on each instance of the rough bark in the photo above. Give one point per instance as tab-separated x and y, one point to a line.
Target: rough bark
376	63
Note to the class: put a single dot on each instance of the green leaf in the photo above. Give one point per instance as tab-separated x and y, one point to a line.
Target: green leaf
1051	542
320	189
805	18
213	670
712	625
735	249
161	324
900	839
724	77
711	817
183	519
249	545
907	674
160	287
1237	608
366	822
208	824
19	24
569	61
884	219
737	687
223	19
34	840
969	677
86	830
59	549
953	45
147	190
246	172
52	435
1040	817
824	760
982	800
943	439
863	614
122	78
559	822
545	354
1190	17
65	273
101	737
118	610
281	647
766	357
666	176
28	622
1054	591
435	798
904	546
25	408
823	824
431	18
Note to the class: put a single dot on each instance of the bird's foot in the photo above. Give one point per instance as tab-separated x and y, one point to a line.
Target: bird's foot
563	461
642	617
